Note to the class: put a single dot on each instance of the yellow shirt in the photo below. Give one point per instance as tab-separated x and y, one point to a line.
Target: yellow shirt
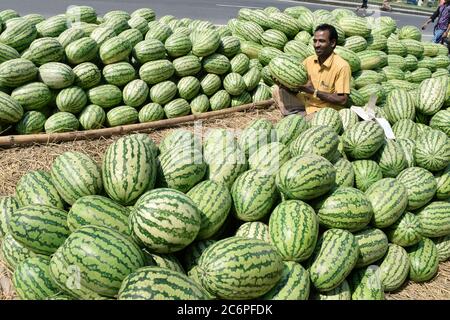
333	76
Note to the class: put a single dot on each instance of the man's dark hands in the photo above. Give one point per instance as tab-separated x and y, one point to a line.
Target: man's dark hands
307	88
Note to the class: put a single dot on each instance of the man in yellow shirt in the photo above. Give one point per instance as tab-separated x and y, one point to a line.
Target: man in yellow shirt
328	78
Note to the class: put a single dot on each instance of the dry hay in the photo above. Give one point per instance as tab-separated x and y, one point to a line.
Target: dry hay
17	161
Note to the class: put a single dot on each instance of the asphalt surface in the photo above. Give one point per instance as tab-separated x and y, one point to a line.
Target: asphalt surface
216	11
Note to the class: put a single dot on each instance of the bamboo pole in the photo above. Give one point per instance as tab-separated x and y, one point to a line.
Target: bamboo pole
15	140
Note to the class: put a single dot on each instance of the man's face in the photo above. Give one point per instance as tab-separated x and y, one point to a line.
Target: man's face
322	44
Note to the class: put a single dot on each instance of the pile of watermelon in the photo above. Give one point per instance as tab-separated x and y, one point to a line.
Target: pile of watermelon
79	71
321	209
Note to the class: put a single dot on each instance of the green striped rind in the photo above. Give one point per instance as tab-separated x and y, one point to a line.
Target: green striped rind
305	177
376	42
341	292
113	257
82	50
252	78
167	261
8	205
363	139
294	229
32	96
442	61
334	257
72	99
7	53
158	31
433	150
16	72
213	213
81	13
193	252
181	168
229	46
149	50
210	84
443	184
61	122
135	93
319	139
354	26
216	64
394	268
243	98
418	76
434	219
133	36
188	87
156	283
373	244
10	110
19	35
371	59
346	208
178	45
413	47
284	23
440	121
287	72
258	133
156	71
13	252
396	61
367	172
56	75
406	231
204	42
163	92
345	174
179	138
293	285
254	193
53	26
49	227
165	220
234	84
389	199
366	284
225	164
274	38
122	115
289	128
220	100
443	247
98	210
431	95
32	280
44	50
114	50
355	43
119	74
366	77
87	75
240	64
405	129
249	30
102	33
151	112
327	117
420	185
127	170
399	105
424	261
351	57
200	104
266	54
254	230
391	159
259	267
37	187
269	158
76	175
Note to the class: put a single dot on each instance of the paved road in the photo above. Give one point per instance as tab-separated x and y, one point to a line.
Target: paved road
217	11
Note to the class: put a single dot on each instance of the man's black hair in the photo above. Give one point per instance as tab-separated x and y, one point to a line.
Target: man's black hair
331	30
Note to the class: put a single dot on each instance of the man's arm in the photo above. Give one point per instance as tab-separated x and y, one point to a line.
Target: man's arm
431	19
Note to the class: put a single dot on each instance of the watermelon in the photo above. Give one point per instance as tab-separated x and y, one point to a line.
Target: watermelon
7	53
56	75
433	150
434	219
81	13
442	245
440	121
119	74
287	72
405	231
188	87
443	184
254	230
205	42
391	159
399	105
13	252
289	128
200	104
182	222
348	118
319	139
327	117
431	95
149	50
216	64
114	50
341	292
269	158
16	72
274	38
234	84
373	244
363	139
177	108
7	206
394	268
82	50
366	284
44	50
19	35
105	96
151	112
72	99
10	110
102	33
367	172
424	261
156	71
87	75
420	185
61	122
158	31
229	46
135	93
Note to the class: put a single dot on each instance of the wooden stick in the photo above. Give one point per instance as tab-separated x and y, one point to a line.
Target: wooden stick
13	140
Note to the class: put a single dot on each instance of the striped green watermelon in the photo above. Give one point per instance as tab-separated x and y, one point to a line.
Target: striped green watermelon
234	84
192	253
82	50
53	26
399	105
180	138
254	230
341	292
258	133
355	43
327	117
178	45
188	87
149	50
269	158
7	206
200	104
114	50
261	93
252	78
216	64
163	92
49	227
289	128
119	74
156	283
10	110
139	23
210	84
114	256
431	95
240	64
72	99
183	220
346	208
56	75
274	38
102	33
366	284
105	96
118	23
166	261
373	244
294	229
44	50
433	150
219	263
351	57
443	184
420	185
151	112
158	31
434	219
87	75
394	268
31	122
443	247
16	72
367	172
177	108
366	77
354	26
205	42
213	214
243	98
334	257
440	121
418	75
254	194
81	13
117	13
7	53
61	122
127	170
321	140
405	231
249	30
293	285
345	174
284	23
32	96
19	35
266	54
376	42
13	252
133	36
32	279
135	93
424	261
348	118
391	159
287	72
156	71
305	177
405	129
363	139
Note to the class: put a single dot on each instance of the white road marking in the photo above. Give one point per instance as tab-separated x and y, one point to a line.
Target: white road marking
237	6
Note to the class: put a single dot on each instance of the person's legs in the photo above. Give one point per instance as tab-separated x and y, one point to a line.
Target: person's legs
364	4
438	35
287	102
